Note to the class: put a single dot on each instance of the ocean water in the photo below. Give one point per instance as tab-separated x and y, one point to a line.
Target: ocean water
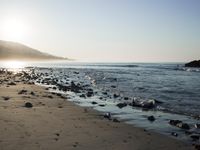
176	87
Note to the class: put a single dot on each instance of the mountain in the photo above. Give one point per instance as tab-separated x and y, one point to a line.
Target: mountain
17	51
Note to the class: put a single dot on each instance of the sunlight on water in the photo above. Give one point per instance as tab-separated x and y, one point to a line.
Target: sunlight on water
13	64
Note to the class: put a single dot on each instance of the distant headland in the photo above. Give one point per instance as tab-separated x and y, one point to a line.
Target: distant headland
195	63
16	51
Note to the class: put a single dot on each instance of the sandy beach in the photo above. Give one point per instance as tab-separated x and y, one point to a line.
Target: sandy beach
54	123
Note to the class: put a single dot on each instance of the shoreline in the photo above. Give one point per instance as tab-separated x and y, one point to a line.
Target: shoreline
53	122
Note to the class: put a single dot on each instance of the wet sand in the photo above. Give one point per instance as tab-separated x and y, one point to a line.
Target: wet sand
53	123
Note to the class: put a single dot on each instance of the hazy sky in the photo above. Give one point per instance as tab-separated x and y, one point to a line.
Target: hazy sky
106	30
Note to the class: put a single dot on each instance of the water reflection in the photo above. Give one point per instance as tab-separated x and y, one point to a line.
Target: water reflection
12	64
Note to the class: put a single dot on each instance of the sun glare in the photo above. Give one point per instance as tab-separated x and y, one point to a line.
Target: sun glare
14	29
14	64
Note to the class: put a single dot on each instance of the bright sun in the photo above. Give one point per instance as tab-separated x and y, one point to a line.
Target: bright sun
14	29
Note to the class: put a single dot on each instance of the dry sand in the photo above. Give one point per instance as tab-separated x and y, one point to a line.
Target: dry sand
53	123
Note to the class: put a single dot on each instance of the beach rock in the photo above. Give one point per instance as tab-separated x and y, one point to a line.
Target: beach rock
94	103
174	122
197	146
121	105
115	95
195	63
147	104
197	126
58	94
32	93
174	134
179	124
183	126
28	105
116	120
105	93
22	92
11	83
126	98
90	93
151	118
107	116
6	98
82	96
195	137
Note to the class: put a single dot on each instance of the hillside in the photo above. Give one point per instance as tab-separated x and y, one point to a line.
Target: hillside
17	51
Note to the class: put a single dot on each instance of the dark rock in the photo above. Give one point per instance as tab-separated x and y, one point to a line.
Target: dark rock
151	118
28	105
11	83
90	93
174	122
113	86
49	96
179	124
105	93
126	98
32	93
195	137
22	92
195	63
149	104
116	120
115	95
121	105
197	146
107	115
102	105
6	98
183	126
197	126
76	72
82	95
54	88
174	134
58	94
94	103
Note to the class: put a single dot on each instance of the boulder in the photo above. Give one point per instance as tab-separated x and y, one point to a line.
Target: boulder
107	115
195	137
197	126
179	124
22	92
94	103
174	134
28	105
183	126
116	120
121	105
151	118
174	122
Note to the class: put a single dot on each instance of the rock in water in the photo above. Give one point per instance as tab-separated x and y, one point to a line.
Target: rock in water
151	118
195	63
121	105
108	116
179	124
197	126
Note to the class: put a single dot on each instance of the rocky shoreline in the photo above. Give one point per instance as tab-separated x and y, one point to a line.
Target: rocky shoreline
30	77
